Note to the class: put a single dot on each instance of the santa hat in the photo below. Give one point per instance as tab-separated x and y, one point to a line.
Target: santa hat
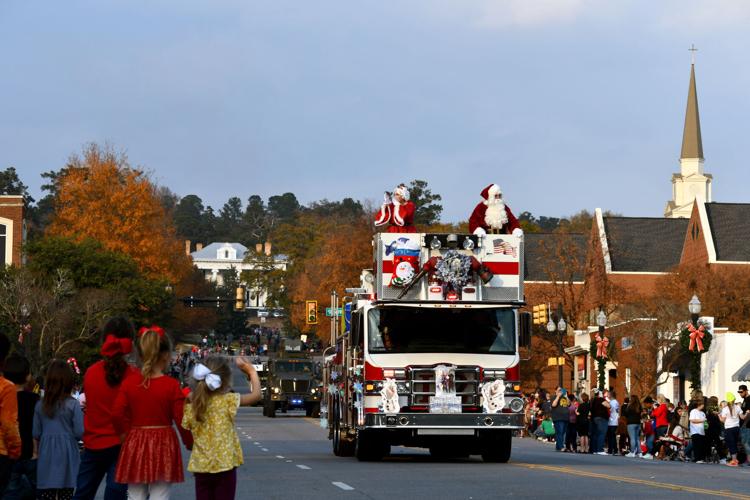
402	191
490	191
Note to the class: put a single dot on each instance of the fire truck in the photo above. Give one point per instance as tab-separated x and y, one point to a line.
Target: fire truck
429	356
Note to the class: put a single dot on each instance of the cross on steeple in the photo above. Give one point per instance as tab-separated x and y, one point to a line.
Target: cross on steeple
692	50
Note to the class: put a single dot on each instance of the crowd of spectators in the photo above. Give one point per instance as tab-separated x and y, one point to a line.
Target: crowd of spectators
702	430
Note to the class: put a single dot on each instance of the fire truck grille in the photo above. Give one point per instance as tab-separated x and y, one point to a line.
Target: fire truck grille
423	385
295	385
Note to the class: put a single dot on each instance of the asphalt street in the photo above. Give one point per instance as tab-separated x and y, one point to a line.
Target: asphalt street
290	457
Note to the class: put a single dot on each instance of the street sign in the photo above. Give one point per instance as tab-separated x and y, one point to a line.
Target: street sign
329	312
356	290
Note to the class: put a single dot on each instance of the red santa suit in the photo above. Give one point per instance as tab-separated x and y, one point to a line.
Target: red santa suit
493	216
399	216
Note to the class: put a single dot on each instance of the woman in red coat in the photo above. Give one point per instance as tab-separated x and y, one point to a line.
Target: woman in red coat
397	211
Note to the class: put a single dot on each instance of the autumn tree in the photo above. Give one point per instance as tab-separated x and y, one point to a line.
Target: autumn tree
49	317
100	196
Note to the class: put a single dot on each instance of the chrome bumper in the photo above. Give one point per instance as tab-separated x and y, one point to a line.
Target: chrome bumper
444	420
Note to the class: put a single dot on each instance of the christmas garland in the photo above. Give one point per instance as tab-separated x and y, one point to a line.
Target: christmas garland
454	269
601	361
694	342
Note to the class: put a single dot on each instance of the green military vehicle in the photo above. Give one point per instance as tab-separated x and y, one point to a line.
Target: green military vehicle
291	384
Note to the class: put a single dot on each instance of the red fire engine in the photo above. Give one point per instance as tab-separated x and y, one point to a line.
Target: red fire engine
430	357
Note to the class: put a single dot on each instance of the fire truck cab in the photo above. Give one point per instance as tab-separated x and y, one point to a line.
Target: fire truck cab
431	354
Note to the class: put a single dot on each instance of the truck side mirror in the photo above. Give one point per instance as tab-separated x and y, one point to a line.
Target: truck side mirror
524	335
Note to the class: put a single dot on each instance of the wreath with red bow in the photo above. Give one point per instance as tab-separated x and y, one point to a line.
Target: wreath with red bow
695	341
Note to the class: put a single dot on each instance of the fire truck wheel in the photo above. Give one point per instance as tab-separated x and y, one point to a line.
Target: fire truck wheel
342	447
370	447
496	446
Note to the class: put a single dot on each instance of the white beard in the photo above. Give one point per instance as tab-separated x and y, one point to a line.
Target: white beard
495	216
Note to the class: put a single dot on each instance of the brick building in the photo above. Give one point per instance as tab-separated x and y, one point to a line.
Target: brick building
12	229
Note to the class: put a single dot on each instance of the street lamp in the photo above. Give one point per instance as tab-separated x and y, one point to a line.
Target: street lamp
561	327
694	306
601	321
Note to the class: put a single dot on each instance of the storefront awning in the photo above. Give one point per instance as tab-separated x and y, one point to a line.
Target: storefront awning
576	350
743	374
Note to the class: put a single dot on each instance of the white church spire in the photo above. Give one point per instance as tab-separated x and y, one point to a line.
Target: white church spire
691	183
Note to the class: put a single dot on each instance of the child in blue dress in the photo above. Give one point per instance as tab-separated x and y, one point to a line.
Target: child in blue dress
58	425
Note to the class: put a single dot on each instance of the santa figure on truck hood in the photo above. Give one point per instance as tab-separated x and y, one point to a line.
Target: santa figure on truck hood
492	215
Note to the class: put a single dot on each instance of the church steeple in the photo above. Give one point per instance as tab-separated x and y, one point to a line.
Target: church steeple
692	145
691	184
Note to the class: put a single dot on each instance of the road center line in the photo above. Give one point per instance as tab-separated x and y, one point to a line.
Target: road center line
264	449
280	457
623	479
256	443
303	467
343	486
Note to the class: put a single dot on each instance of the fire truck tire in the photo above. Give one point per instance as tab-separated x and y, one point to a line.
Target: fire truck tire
497	446
342	447
370	447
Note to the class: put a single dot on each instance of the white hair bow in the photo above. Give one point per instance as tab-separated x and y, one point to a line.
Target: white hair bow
202	372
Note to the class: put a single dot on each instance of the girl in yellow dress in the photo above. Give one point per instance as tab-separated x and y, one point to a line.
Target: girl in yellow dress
210	414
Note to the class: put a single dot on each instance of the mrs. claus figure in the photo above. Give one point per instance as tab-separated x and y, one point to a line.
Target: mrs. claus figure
493	216
397	211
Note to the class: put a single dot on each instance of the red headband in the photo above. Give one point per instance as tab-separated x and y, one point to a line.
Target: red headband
113	346
153	328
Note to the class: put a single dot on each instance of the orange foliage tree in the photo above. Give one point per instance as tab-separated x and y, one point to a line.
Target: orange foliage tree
327	253
100	196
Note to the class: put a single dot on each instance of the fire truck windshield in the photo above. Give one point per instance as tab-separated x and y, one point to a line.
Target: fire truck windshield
413	329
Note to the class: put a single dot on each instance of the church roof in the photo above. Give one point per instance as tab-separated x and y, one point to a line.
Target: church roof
692	144
730	225
543	261
644	244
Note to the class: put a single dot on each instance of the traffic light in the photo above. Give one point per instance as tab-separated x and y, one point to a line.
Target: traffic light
311	312
540	314
239	299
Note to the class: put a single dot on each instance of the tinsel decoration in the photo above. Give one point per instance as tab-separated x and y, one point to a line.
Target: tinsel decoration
454	269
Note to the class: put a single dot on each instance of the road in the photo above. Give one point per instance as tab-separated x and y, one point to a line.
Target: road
290	457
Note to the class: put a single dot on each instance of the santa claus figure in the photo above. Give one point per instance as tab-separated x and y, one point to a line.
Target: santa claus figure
493	216
397	211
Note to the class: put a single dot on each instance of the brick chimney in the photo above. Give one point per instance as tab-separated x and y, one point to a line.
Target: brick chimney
198	247
258	247
187	247
267	248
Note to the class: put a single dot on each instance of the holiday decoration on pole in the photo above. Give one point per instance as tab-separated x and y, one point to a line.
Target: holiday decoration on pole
696	337
601	346
74	365
694	342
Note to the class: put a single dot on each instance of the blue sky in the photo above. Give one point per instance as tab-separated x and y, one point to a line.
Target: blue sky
567	104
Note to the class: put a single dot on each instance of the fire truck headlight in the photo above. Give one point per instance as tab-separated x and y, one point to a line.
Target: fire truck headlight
468	244
276	390
435	243
516	405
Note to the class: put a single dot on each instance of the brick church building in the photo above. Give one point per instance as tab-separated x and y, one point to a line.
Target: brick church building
626	257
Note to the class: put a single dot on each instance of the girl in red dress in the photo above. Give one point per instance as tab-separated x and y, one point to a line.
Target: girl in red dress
144	412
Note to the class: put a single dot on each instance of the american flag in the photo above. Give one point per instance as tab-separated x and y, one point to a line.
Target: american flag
503	247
